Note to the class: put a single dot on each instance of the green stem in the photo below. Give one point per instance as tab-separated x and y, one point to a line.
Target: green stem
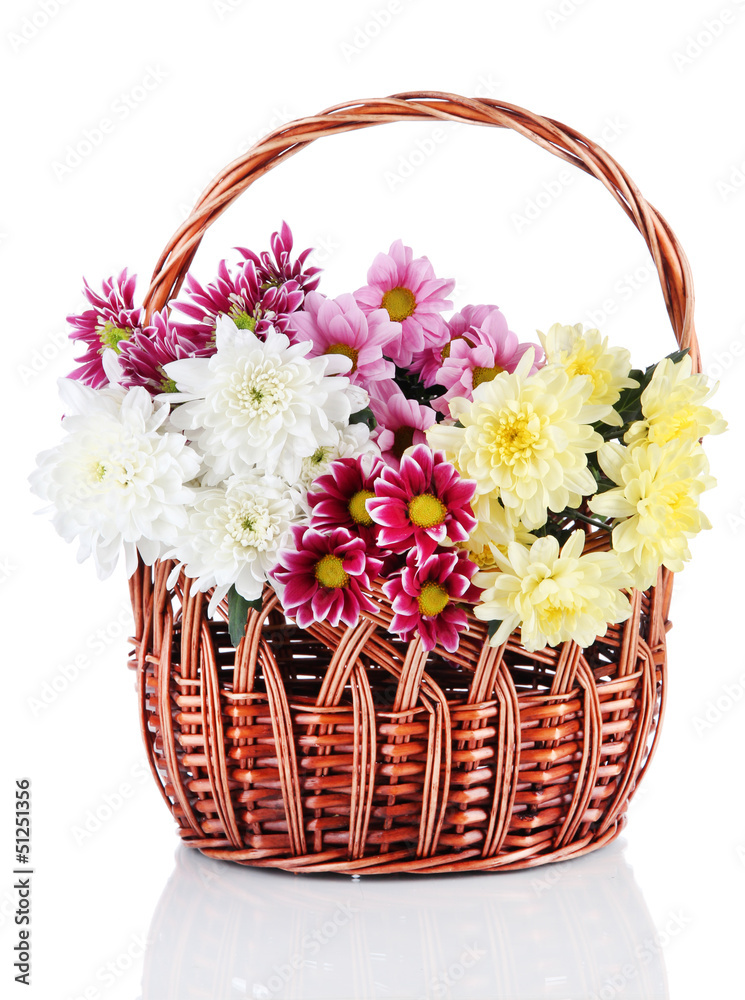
589	520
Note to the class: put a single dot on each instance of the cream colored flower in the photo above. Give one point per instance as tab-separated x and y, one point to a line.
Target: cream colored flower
656	502
496	528
553	595
524	440
588	354
673	408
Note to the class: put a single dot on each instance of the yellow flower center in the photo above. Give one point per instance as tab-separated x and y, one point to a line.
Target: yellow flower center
485	374
110	334
433	599
167	384
403	438
445	352
244	321
99	471
425	511
400	303
330	572
514	435
348	352
484	559
357	509
318	456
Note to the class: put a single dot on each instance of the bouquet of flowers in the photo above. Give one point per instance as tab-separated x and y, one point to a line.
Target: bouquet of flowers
363	449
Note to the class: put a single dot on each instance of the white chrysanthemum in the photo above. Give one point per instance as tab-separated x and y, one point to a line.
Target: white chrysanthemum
672	404
118	478
524	440
235	532
553	595
655	502
496	528
352	441
259	403
588	354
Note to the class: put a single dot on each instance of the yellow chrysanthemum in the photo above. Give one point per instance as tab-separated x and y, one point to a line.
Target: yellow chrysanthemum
553	595
588	354
657	502
524	440
496	528
673	408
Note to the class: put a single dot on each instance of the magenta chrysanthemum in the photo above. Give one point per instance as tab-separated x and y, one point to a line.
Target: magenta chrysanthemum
478	355
427	598
428	363
423	504
412	295
277	267
112	319
323	579
338	499
401	422
242	295
339	326
144	355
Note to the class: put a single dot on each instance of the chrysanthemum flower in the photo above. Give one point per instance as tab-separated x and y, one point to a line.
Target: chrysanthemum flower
496	527
338	499
142	358
401	422
412	295
112	319
588	354
673	408
118	479
425	503
524	439
656	502
278	267
553	596
235	532
339	326
258	403
427	363
240	294
324	578
428	598
351	441
478	356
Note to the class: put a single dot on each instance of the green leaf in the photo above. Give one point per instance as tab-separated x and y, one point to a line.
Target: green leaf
363	417
493	627
238	608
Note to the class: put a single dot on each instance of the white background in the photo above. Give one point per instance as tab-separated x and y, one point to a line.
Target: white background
657	915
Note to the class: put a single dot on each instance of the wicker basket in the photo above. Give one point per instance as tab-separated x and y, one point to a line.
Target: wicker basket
336	749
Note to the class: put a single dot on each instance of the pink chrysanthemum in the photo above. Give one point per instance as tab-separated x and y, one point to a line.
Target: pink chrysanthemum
323	579
337	499
479	355
112	319
277	267
427	599
339	326
428	363
241	294
401	422
412	295
143	356
423	504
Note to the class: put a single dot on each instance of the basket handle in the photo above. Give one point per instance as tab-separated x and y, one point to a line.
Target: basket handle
672	266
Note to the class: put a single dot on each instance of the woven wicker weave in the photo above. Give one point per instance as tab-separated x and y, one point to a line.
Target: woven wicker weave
336	749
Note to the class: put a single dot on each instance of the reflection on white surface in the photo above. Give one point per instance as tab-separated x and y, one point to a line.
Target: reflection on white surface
568	931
